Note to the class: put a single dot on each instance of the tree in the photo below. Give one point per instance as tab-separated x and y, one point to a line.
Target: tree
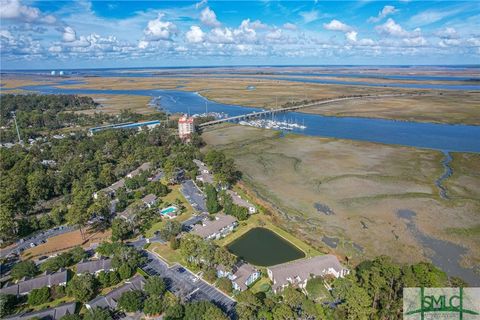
171	229
82	287
210	275
153	306
225	285
121	230
98	314
155	286
283	312
356	302
78	213
157	188
131	301
212	202
125	271
204	310
7	304
175	311
24	269
292	297
7	223
39	296
225	258
316	288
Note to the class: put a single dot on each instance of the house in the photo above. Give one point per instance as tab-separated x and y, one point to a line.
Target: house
205	176
217	228
149	200
127	214
94	266
144	167
110	300
242	276
56	313
298	272
45	280
242	202
111	190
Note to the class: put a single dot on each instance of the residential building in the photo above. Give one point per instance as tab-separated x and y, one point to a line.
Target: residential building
51	314
94	266
204	174
143	167
45	280
298	272
242	202
242	276
111	190
217	228
110	300
186	127
149	200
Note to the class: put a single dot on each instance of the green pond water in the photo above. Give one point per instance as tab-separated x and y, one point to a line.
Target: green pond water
263	247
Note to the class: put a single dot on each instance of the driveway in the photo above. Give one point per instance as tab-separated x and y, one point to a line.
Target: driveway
194	196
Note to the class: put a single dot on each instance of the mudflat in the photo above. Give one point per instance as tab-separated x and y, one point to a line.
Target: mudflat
352	192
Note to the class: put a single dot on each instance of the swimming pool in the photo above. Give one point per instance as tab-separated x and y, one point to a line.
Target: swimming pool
168	210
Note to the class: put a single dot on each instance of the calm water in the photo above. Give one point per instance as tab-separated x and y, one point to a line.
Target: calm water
457	138
263	247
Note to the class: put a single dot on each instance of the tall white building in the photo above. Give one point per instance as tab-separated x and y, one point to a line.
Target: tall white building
185	127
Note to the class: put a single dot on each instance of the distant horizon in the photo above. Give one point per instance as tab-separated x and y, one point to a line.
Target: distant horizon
249	65
42	35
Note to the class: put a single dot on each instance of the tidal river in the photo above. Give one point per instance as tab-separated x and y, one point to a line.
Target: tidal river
454	138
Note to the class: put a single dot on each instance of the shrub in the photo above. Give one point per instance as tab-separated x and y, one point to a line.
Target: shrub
39	296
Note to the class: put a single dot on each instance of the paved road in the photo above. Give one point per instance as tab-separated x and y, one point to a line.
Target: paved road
36	239
187	224
187	285
194	196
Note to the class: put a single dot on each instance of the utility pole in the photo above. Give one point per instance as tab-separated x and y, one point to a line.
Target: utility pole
16	127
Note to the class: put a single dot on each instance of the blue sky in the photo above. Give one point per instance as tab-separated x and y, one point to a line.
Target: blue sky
83	34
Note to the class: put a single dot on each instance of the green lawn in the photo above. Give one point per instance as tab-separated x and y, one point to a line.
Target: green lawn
170	198
260	285
169	255
260	220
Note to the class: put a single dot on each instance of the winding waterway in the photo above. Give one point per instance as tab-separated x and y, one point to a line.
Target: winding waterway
447	159
455	138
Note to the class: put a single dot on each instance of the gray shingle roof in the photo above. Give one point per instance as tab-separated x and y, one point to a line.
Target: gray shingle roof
111	298
149	198
242	273
144	167
94	266
303	269
45	280
211	227
51	314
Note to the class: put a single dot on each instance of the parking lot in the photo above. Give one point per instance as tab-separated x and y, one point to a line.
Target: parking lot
187	285
194	196
35	240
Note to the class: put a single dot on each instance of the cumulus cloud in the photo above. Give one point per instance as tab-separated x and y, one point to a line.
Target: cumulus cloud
415	42
221	35
387	10
142	44
289	26
195	35
69	34
160	30
391	28
13	9
447	33
209	18
336	25
351	36
309	16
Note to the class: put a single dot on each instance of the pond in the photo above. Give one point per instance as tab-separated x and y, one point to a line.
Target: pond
263	247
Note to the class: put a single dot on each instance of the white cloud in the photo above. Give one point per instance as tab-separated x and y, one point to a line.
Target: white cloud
221	35
391	28
69	34
13	9
415	42
351	36
160	30
142	44
195	35
309	16
209	18
200	4
289	26
387	10
447	33
336	25
432	16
